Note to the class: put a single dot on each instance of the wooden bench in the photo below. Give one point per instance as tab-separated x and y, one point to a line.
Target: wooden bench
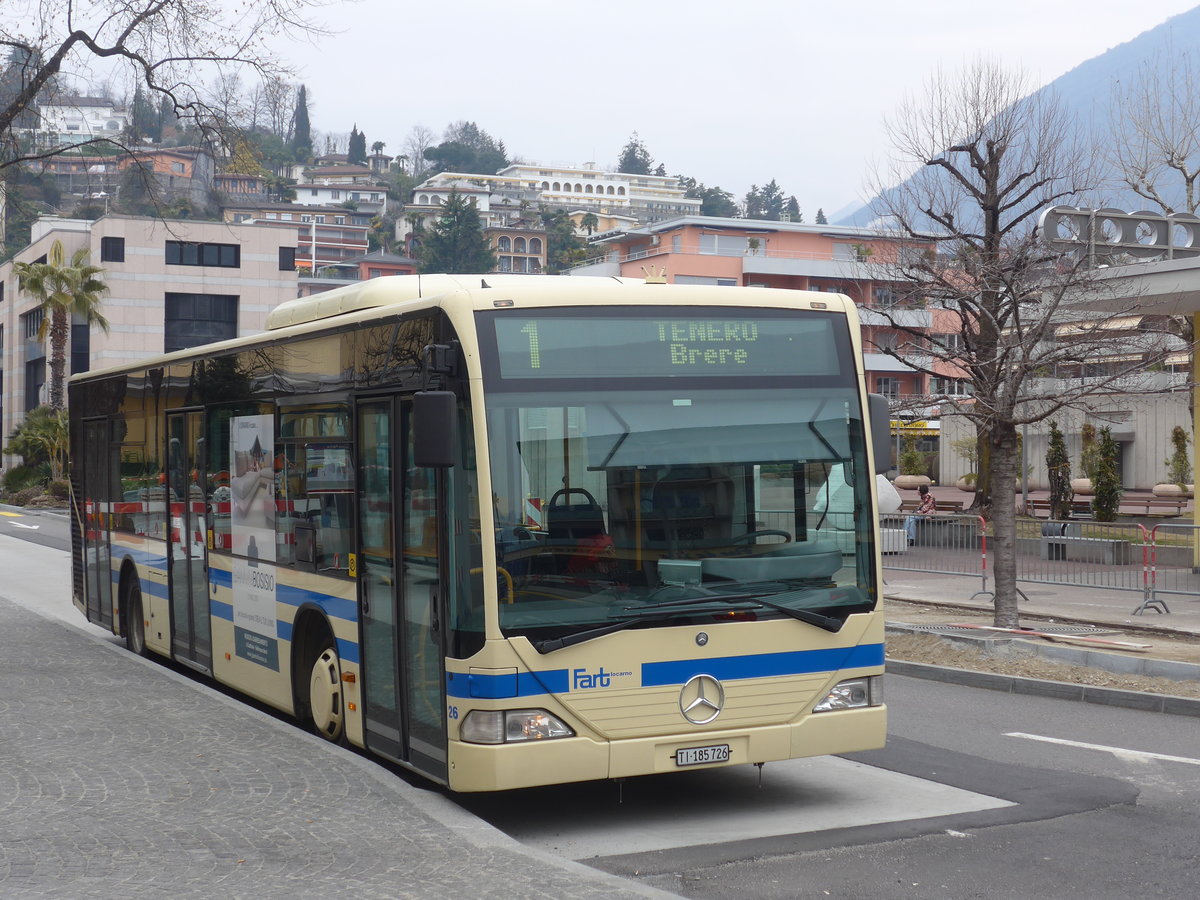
1157	506
947	506
1080	509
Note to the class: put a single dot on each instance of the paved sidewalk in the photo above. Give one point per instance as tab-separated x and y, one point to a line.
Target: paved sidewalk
121	778
1090	605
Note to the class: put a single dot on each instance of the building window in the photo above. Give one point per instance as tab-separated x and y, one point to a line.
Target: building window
519	245
953	342
35	380
504	244
287	259
187	253
335	195
32	323
888	387
194	319
314	192
535	245
339	220
177	168
112	249
81	341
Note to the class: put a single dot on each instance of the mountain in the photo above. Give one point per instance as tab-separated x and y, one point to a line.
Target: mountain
1087	89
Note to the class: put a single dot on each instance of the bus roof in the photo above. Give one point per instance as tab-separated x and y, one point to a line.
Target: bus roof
306	315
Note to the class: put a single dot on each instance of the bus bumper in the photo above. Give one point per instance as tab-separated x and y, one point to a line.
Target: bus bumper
481	767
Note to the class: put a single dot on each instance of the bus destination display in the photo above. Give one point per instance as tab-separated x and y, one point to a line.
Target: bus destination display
652	346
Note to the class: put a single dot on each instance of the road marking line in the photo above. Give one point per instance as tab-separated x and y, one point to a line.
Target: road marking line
1119	752
13	514
23	525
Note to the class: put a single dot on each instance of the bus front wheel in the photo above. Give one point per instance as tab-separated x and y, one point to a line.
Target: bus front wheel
325	701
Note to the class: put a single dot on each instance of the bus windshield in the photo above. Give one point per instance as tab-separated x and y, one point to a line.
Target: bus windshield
614	500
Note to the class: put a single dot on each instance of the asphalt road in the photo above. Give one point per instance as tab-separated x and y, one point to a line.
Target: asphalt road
48	528
1107	805
978	794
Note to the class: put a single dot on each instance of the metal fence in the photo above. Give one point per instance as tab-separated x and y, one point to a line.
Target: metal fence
1174	565
1111	555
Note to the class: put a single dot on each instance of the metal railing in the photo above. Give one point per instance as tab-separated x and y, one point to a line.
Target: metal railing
936	544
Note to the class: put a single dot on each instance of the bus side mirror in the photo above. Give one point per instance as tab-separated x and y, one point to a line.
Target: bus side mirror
881	431
435	414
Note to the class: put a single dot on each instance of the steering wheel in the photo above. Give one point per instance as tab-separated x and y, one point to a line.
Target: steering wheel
768	532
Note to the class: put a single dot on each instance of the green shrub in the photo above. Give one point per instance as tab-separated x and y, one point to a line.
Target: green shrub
59	490
19	477
1179	464
912	462
1058	466
1106	482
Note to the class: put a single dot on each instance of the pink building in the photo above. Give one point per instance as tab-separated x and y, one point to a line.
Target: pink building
758	253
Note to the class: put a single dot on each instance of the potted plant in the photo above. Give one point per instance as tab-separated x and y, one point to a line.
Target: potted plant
1179	468
1088	461
912	467
968	449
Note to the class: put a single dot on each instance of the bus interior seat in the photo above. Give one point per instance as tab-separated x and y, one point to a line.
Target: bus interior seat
566	521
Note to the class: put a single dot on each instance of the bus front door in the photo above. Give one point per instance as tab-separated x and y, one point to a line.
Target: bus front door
400	577
191	635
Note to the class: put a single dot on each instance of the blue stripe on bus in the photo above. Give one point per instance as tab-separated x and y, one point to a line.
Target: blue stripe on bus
658	674
337	607
347	650
763	665
497	687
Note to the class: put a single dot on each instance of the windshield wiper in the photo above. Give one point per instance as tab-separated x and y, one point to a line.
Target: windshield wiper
651	614
672	608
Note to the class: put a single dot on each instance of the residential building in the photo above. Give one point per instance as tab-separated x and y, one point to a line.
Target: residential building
186	172
518	249
794	256
617	199
373	265
329	235
352	185
172	284
76	119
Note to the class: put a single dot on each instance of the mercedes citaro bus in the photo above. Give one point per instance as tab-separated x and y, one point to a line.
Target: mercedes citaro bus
506	530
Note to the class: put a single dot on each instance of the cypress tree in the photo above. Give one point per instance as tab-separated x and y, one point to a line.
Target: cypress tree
1107	479
302	134
1058	465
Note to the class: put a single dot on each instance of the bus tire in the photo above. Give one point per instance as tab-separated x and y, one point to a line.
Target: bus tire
134	625
326	704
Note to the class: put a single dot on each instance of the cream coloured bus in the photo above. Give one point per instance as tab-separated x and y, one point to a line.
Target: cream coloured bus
504	530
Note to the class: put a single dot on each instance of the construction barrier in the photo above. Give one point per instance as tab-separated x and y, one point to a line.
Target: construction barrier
1174	566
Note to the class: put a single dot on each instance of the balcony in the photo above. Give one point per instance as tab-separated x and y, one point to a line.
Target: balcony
905	318
881	362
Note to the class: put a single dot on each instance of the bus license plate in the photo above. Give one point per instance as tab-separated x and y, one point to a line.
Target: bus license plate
695	756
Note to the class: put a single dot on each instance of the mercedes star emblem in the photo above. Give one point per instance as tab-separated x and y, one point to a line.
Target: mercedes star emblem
701	699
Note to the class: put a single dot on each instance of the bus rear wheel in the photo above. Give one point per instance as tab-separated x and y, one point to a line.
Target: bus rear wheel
325	700
135	623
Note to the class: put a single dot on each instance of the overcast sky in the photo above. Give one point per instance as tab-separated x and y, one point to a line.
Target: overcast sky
729	93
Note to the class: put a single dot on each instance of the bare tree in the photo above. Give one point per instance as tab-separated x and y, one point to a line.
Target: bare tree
172	47
989	157
1154	146
418	141
1154	133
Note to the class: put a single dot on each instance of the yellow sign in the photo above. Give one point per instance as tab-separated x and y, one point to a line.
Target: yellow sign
352	565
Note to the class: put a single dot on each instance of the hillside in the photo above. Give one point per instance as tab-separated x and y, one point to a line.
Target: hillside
1086	90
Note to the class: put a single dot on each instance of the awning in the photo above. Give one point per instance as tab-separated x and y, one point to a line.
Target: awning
918	428
1119	323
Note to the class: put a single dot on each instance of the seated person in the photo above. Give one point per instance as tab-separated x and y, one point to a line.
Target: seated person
927	507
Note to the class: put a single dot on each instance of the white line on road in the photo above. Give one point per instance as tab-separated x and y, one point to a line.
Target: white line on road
1119	752
23	525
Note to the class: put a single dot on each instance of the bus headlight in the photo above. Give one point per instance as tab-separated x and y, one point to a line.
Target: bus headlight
508	726
853	694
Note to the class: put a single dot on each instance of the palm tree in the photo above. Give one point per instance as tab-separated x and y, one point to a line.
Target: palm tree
63	291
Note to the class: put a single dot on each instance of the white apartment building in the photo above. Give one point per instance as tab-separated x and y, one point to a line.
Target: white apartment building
77	119
172	284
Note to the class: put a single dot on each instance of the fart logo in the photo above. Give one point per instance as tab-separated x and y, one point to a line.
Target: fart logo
582	679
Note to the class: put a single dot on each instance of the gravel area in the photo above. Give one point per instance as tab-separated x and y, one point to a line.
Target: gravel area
1010	660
